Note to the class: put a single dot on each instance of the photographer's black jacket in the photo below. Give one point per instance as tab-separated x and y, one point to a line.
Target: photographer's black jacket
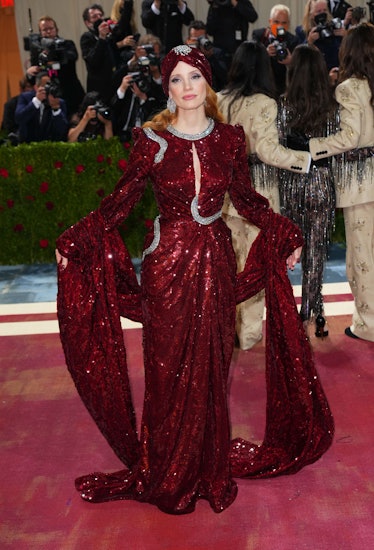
168	25
71	88
228	25
100	63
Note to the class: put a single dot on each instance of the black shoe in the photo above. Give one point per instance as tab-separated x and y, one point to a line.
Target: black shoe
351	334
320	327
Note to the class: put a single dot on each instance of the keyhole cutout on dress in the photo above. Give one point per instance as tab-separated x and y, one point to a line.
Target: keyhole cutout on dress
197	169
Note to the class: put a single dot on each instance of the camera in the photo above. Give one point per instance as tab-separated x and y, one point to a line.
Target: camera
141	79
150	59
281	51
102	109
326	29
53	87
204	43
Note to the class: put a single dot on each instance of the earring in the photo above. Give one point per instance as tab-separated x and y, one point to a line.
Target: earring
171	105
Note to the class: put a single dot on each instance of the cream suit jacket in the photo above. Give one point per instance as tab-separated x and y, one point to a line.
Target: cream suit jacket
357	131
258	116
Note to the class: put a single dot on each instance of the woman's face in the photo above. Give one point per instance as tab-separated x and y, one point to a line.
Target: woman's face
187	86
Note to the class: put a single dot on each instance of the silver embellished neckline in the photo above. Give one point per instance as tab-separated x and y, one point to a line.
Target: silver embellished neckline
192	137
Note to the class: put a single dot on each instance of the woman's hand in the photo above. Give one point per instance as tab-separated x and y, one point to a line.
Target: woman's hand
294	258
61	260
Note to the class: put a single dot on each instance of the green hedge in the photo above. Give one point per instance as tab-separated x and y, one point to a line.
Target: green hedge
46	187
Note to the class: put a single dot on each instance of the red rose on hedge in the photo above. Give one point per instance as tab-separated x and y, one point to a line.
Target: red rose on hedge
122	163
127	145
148	224
18	228
29	169
58	164
10	203
100	158
79	168
43	243
4	173
44	186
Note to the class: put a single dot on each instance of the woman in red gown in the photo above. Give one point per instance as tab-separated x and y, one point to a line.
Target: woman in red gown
186	302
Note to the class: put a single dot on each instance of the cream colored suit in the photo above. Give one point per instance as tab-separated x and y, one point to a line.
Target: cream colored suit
258	115
355	194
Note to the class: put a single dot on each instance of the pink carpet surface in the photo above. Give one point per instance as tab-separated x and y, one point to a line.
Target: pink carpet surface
48	439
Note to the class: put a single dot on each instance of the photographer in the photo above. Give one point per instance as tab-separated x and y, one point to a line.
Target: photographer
165	19
92	120
139	95
97	52
40	114
319	29
49	52
279	43
197	38
227	23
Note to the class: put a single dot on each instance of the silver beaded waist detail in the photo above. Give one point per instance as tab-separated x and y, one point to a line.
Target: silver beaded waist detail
202	220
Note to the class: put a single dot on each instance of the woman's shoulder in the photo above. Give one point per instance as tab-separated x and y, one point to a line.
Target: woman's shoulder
233	133
352	87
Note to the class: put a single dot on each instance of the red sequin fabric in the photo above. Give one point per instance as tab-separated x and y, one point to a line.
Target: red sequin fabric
186	302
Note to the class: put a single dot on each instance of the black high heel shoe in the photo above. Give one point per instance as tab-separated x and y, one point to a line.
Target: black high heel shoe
320	327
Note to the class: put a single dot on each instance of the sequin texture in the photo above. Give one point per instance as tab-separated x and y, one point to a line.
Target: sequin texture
186	302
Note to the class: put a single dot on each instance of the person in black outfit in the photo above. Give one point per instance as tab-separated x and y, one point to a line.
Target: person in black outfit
9	124
279	44
139	95
58	56
197	38
40	115
227	23
97	52
165	20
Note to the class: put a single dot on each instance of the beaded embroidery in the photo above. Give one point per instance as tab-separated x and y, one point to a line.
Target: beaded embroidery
161	141
182	50
201	219
192	137
156	238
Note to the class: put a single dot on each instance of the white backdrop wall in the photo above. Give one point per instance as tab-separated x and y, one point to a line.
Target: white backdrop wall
68	15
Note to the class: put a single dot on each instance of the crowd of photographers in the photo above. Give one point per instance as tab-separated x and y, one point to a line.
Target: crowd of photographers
123	87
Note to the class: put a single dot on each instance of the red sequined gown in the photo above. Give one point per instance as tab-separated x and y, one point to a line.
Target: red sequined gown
186	302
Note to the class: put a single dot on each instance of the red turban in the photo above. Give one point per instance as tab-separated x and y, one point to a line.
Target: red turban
192	56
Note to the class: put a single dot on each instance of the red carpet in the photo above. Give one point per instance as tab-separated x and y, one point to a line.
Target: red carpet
47	439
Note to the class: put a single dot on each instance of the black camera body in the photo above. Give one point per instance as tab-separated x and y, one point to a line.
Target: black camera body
326	29
142	78
53	87
102	110
204	43
281	49
148	60
51	51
